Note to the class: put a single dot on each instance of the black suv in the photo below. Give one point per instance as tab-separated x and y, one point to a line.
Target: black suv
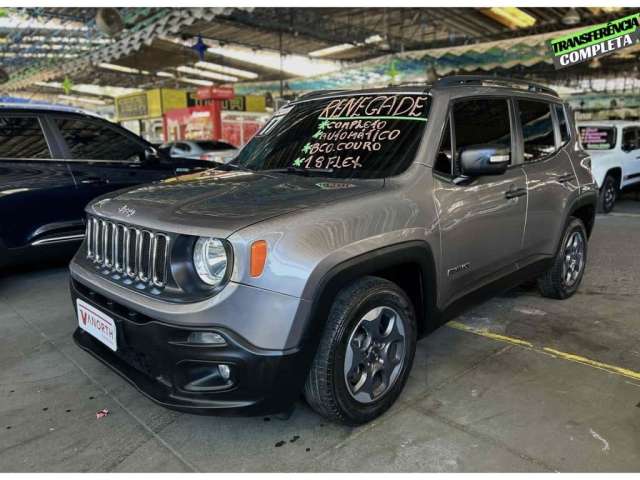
53	161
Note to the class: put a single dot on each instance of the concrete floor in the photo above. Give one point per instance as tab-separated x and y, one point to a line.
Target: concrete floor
480	398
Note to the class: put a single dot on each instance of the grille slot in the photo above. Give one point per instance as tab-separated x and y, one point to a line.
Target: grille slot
139	254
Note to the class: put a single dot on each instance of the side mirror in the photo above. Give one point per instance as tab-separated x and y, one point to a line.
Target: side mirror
478	160
151	154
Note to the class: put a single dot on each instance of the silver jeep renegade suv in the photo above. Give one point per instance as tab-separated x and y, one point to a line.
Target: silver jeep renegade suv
352	224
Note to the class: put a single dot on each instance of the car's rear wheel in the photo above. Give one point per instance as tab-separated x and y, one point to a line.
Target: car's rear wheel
365	353
608	193
564	277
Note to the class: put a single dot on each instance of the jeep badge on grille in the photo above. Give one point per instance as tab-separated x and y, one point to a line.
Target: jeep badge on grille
126	211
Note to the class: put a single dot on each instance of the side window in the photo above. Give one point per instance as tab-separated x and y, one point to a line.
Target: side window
562	123
481	121
630	138
93	140
444	158
537	129
183	146
22	137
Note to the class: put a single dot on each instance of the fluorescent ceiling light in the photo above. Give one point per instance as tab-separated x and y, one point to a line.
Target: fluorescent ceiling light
22	22
38	55
373	39
511	17
195	81
298	65
74	98
102	91
323	52
74	39
165	74
120	68
598	10
224	69
47	46
205	74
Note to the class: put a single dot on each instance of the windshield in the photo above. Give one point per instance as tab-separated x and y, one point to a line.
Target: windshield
597	138
358	136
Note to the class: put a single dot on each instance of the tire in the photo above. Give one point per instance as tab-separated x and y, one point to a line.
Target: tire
564	277
608	194
350	338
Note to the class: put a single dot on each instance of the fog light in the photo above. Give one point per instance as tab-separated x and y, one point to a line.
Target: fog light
225	372
206	338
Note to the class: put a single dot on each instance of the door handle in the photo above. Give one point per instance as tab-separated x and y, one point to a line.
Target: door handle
567	177
90	180
515	192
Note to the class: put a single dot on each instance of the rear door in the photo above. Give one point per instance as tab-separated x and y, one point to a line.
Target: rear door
551	180
481	219
630	155
36	185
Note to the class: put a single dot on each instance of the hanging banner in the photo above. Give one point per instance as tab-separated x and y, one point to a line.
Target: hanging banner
596	41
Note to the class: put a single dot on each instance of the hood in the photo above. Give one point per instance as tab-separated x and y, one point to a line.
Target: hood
219	203
602	153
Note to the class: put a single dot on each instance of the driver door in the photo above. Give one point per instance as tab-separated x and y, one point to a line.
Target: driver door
481	219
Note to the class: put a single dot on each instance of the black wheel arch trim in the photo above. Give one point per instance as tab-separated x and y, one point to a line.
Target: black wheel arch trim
615	172
342	274
414	251
585	199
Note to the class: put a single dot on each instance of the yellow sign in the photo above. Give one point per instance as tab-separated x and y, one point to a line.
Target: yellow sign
149	104
245	103
132	106
154	102
256	103
172	99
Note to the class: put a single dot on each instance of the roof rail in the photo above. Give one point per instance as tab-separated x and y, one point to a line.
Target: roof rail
319	93
462	80
411	84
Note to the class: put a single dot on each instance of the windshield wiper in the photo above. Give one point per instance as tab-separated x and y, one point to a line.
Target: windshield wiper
299	171
232	166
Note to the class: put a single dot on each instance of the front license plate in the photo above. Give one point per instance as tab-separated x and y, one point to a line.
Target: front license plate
96	323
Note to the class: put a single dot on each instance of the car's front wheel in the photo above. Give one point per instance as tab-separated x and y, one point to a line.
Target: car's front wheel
365	353
608	193
564	277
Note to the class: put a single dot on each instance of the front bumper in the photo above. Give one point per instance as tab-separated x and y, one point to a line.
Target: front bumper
155	357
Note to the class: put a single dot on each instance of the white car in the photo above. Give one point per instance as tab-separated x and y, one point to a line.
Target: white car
211	150
614	146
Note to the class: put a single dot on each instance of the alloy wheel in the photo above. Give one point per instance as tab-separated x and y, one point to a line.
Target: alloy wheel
573	259
609	196
375	354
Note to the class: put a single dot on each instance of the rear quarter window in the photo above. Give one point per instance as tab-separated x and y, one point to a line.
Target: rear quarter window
22	137
537	129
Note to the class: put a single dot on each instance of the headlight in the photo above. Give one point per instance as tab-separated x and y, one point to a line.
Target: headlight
210	260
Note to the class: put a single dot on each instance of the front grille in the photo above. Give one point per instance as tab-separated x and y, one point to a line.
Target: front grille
138	254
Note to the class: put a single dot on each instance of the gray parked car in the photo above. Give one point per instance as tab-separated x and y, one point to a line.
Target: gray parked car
208	150
352	224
